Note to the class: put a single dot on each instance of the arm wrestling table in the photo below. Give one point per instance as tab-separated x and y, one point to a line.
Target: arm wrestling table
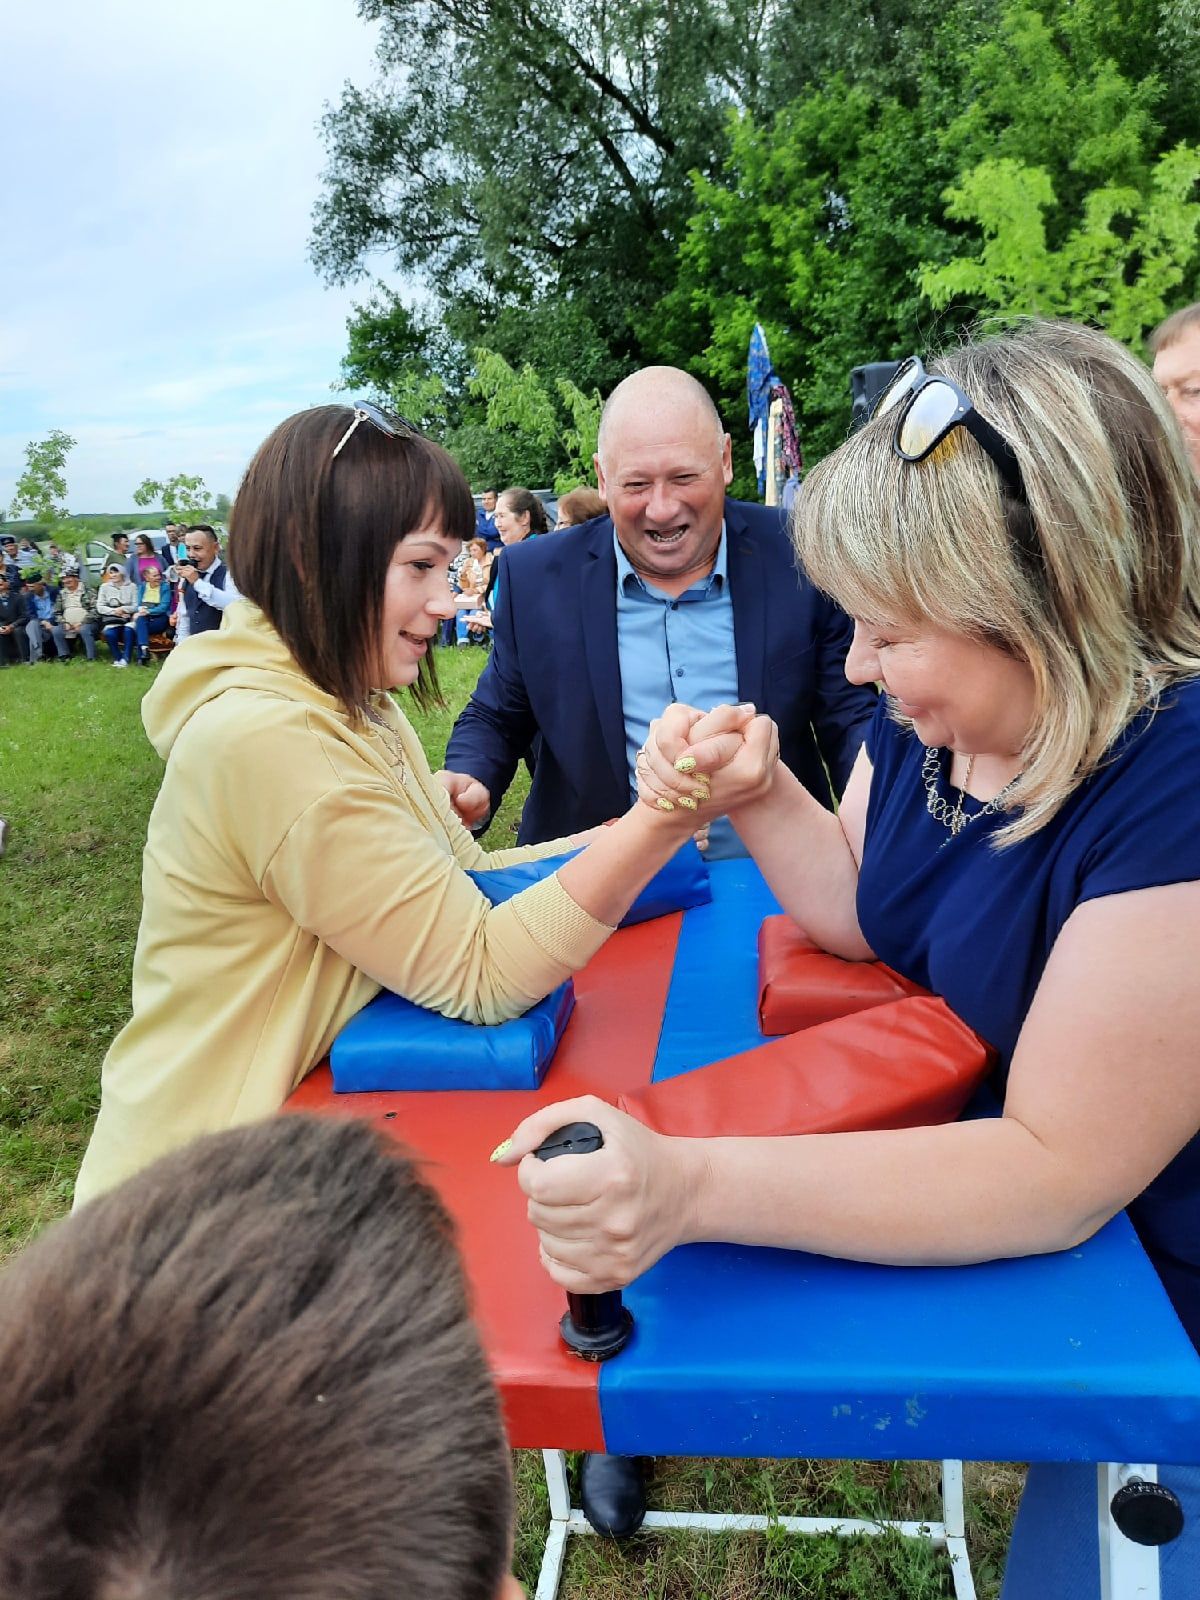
740	1351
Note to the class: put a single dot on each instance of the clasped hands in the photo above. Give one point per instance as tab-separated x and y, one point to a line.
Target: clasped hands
604	1219
713	761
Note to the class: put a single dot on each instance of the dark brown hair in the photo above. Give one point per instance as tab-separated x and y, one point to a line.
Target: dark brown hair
250	1370
580	505
519	501
311	538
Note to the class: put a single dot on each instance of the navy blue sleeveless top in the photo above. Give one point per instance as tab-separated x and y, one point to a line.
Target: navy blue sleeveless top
976	925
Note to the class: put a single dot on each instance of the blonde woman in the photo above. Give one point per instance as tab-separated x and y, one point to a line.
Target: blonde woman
1018	540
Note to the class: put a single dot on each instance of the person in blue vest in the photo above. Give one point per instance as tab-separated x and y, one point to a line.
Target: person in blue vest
206	588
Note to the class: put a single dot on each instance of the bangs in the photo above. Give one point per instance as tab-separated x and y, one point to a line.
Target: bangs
892	540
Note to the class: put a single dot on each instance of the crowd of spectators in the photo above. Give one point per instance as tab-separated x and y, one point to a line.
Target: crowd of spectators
48	608
502	519
150	599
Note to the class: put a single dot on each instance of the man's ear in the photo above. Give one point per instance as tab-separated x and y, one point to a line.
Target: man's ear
726	459
600	477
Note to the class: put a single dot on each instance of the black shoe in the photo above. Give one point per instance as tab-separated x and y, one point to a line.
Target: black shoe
612	1492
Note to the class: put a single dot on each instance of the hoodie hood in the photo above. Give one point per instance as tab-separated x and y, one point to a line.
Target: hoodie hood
245	652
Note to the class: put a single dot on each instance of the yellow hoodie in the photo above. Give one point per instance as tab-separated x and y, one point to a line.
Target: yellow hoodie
294	866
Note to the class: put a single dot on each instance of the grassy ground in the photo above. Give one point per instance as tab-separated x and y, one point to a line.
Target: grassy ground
77	780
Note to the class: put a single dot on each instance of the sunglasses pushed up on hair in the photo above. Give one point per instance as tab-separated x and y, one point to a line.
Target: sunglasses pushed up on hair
929	408
388	423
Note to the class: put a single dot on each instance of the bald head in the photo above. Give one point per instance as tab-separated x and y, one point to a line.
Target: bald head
662	466
651	400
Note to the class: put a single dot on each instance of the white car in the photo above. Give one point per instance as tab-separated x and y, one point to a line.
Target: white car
97	554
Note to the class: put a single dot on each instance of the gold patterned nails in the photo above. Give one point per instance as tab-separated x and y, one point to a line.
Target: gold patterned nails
701	794
686	764
664	804
501	1150
688	803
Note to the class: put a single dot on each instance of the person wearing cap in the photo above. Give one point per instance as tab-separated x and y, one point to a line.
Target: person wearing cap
75	617
39	613
115	605
8	559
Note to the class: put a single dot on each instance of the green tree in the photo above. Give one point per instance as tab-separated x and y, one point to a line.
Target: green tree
42	488
222	506
183	497
406	361
579	440
517	439
1040	167
1086	207
513	155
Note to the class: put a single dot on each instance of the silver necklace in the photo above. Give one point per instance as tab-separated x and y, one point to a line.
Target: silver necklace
953	817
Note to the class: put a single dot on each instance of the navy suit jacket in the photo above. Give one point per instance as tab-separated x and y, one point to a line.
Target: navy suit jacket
554	671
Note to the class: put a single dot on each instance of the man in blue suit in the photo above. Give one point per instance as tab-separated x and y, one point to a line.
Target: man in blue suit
678	594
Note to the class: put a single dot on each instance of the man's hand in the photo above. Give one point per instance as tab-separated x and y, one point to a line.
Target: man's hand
467	795
189	574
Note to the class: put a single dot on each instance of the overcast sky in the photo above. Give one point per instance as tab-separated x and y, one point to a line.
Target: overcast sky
160	164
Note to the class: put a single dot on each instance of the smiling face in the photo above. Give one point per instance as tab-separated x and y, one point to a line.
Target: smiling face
664	471
416	596
961	693
202	548
1177	373
512	526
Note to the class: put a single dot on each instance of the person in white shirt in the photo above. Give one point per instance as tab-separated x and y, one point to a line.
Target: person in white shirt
205	587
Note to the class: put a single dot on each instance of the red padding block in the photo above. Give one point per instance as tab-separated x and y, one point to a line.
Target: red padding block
905	1064
801	985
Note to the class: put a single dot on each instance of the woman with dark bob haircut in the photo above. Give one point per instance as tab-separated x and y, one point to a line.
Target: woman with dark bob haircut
300	854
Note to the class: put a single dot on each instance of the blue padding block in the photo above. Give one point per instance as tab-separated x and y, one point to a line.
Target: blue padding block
394	1044
755	1352
681	884
717	955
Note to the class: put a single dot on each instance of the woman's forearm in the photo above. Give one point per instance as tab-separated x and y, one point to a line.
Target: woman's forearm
801	851
968	1191
606	877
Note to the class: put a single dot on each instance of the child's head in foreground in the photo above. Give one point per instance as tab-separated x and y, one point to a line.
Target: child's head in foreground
250	1371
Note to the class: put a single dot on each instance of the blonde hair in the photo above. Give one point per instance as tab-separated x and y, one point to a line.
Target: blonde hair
1096	586
1174	328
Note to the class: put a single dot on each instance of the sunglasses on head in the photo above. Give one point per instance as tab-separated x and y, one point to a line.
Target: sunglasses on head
928	407
390	425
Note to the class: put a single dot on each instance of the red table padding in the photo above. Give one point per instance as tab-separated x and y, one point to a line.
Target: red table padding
905	1064
608	1048
801	985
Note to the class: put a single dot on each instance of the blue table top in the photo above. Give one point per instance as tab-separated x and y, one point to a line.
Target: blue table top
756	1352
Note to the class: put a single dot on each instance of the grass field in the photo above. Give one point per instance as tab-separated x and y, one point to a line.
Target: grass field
77	780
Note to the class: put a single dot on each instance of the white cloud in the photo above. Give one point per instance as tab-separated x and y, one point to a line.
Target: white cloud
155	295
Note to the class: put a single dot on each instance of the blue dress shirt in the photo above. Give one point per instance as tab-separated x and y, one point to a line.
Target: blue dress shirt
675	648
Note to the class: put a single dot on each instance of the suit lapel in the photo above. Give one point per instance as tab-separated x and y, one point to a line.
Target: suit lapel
598	625
747	584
